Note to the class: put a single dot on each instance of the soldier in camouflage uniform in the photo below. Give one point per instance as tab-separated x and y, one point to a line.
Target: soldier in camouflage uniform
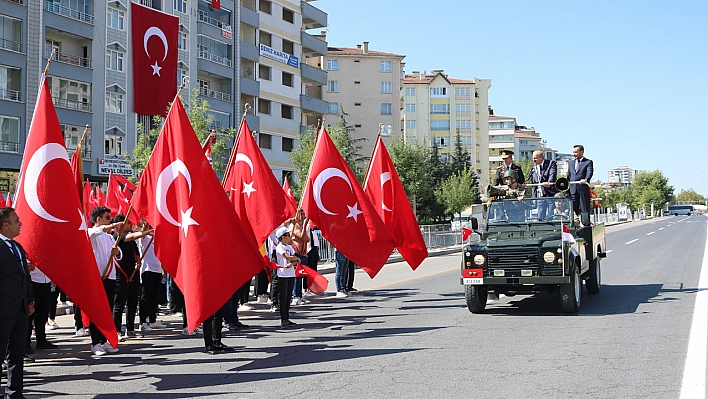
515	190
507	156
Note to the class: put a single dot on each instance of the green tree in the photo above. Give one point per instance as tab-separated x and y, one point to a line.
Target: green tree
648	187
458	191
460	158
690	197
348	146
611	198
200	120
411	162
429	208
526	164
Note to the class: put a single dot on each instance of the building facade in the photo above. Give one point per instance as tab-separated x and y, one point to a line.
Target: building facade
91	73
502	131
437	107
622	176
366	85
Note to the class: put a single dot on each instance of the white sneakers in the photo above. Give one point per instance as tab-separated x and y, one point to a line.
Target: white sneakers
262	299
186	332
108	348
98	350
145	327
157	324
307	293
245	306
82	332
52	325
296	301
341	294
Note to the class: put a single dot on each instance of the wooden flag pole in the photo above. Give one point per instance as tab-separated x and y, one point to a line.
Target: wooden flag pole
140	261
120	233
233	149
49	61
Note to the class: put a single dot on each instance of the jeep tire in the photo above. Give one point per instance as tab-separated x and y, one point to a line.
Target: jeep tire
570	293
592	284
476	298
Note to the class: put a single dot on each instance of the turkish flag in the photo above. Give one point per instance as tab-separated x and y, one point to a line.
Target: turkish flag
54	227
114	196
466	233
101	197
199	239
127	183
155	38
334	201
77	168
206	148
316	283
291	203
86	197
255	192
8	203
216	4
2	200
384	188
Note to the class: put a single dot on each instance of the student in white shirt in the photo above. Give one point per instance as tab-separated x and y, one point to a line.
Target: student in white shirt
151	279
286	261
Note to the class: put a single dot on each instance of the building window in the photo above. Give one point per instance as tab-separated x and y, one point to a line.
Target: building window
440	125
264	6
10	33
265	38
288	47
386	87
180	5
115	18
288	15
332	65
9	134
463	108
72	135
263	107
463	124
114	60
182	41
462	91
410	91
501	125
286	111
264	140
386	109
219	120
288	144
438	92
332	86
181	73
10	83
441	141
114	102
214	50
70	93
203	85
113	144
333	108
410	123
287	79
385	66
439	108
410	107
264	72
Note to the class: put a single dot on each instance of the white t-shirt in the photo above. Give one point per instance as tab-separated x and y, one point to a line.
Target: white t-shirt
102	244
150	261
281	260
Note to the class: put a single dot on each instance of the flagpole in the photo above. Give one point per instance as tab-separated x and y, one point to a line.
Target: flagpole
120	232
209	137
373	152
233	149
140	261
49	61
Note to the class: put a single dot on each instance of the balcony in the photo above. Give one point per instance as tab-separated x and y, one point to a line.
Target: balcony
249	17
312	17
254	122
203	16
312	46
69	59
68	12
313	105
71	104
16	1
250	87
313	74
10	45
214	58
12	95
85	153
214	94
9	146
250	51
462	97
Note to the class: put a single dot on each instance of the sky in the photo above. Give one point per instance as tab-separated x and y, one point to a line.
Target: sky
626	79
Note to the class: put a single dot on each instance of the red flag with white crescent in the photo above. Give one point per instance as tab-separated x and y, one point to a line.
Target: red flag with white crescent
55	231
155	38
199	239
8	203
384	188
292	203
333	199
316	283
2	200
567	236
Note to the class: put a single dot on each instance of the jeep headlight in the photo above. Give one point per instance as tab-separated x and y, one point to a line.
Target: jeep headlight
549	257
479	259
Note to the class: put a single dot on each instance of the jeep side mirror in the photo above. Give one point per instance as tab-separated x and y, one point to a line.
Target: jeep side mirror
585	218
475	224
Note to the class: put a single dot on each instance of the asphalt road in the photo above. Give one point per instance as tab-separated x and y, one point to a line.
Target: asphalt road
409	335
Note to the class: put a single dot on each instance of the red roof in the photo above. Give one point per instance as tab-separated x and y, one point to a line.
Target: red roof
359	51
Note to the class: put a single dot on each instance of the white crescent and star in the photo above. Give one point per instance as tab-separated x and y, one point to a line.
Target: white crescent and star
155	31
385	176
318	184
247	187
164	181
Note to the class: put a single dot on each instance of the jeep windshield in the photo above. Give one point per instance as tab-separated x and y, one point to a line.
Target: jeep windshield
530	210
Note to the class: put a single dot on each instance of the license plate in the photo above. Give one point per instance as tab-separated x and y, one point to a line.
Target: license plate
474	281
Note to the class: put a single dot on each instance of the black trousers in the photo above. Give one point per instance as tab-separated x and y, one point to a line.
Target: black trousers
244	292
313	257
212	328
581	201
350	276
42	298
149	296
176	299
126	293
13	337
285	294
274	292
53	303
78	320
261	284
110	287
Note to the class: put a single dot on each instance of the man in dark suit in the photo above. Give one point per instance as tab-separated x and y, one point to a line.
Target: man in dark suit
543	172
16	300
580	170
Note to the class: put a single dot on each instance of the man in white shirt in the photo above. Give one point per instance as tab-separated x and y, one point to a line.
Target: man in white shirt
42	288
286	261
151	280
102	244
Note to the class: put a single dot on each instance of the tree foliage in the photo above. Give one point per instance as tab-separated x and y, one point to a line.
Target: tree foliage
411	162
460	158
648	187
690	197
458	191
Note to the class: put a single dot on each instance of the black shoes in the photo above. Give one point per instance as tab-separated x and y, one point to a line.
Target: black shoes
220	347
210	350
45	345
29	350
237	326
287	323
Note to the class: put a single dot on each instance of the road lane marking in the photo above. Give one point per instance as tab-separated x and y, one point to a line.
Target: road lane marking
694	372
609	250
629	242
651	233
661	228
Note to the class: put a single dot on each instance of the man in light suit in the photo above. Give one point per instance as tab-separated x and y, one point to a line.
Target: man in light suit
580	170
543	172
16	301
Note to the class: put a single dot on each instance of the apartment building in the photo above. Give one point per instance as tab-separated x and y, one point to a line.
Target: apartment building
91	73
437	107
502	130
622	176
366	85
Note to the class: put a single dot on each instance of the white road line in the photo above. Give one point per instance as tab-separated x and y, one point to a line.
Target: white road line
661	228
651	233
629	242
694	372
609	250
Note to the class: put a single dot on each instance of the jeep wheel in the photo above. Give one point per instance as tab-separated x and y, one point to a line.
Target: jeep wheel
592	284
570	293
476	297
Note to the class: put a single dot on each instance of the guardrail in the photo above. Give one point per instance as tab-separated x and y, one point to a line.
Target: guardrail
11	45
9	146
69	59
68	12
71	104
13	95
214	94
214	58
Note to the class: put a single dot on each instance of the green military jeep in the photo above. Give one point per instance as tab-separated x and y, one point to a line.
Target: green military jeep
530	246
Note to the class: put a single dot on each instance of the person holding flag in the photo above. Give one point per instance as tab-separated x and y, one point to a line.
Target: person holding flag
286	262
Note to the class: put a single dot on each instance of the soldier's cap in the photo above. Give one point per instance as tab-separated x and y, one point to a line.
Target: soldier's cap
560	195
506	154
